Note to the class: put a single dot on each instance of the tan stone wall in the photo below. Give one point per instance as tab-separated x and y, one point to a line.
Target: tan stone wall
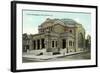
55	36
47	25
58	29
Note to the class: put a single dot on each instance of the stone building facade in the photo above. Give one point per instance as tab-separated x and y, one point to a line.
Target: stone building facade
56	36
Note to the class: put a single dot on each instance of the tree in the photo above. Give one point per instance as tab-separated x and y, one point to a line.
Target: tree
25	42
25	36
88	42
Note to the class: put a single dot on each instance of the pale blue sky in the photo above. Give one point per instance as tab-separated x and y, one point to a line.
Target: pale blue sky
33	18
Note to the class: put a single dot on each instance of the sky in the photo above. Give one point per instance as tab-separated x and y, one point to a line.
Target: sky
33	18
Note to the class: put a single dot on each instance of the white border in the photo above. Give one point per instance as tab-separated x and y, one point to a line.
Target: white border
36	65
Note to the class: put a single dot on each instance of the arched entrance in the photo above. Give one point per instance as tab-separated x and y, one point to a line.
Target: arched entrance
63	43
80	40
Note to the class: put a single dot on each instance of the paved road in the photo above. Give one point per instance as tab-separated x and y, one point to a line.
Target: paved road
81	56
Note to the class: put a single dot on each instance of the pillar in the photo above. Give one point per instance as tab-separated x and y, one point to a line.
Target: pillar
36	44
67	45
76	39
40	44
33	44
59	44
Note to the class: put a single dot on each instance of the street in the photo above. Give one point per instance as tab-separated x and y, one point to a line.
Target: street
80	56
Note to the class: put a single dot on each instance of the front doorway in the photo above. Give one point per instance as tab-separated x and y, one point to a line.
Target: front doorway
63	43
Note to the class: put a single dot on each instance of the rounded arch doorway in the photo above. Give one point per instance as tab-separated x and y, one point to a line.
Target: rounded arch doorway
80	40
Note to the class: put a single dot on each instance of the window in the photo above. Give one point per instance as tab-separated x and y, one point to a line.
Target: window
52	43
70	31
47	29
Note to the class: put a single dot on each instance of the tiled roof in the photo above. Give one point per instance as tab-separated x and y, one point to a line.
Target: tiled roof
68	21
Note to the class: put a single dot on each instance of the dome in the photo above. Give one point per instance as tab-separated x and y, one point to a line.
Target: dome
68	21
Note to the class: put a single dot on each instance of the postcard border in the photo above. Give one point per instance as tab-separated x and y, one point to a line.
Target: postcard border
13	35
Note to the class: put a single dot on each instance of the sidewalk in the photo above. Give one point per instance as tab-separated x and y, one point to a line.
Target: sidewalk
46	57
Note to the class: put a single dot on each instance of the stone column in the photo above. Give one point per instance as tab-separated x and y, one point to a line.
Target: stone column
67	44
54	44
29	43
84	41
55	49
40	44
76	39
45	43
36	44
48	42
59	44
48	46
33	44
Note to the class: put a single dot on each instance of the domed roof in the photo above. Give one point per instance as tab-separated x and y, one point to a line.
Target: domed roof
68	21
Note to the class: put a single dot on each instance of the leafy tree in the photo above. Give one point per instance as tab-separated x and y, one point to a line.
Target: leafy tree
25	36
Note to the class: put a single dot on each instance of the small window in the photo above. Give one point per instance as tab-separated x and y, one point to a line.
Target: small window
70	31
